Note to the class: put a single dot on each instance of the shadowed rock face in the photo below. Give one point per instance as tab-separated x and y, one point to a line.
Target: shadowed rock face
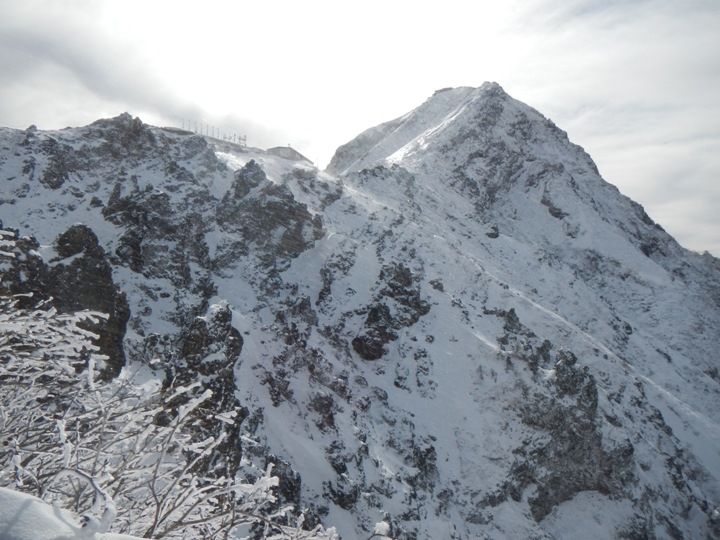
25	273
81	278
398	305
265	216
208	350
212	337
574	460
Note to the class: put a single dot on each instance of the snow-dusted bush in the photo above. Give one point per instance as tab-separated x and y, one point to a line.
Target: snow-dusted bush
121	454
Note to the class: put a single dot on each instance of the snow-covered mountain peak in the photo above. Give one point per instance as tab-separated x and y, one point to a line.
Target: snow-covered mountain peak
460	329
485	157
450	127
377	143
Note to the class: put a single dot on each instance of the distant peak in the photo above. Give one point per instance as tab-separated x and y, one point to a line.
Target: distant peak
123	120
415	130
492	88
489	88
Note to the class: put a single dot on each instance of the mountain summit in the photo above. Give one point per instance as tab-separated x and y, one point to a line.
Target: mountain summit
452	120
459	328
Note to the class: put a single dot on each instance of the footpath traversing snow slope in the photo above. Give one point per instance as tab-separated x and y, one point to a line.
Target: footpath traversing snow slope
459	328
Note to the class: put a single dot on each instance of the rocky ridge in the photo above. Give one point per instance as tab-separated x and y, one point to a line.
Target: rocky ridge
460	328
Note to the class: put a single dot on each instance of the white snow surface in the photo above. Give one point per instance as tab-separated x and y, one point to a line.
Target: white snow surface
491	209
24	517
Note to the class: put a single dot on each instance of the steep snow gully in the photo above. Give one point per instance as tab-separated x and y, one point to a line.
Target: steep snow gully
459	328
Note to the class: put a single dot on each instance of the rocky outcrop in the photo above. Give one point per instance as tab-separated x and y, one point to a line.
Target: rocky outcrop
266	218
398	305
159	240
211	345
24	272
78	278
81	278
208	351
574	459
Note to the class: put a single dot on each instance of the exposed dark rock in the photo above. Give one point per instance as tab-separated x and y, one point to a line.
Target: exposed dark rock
80	278
208	336
278	384
208	351
270	219
424	459
130	251
575	458
308	182
158	240
554	210
289	488
26	272
125	137
516	334
324	406
85	282
344	492
62	163
247	178
381	324
338	264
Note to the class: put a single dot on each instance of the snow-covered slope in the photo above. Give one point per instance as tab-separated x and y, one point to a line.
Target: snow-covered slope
24	517
460	328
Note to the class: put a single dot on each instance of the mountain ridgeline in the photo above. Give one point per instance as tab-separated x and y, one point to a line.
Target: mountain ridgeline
459	328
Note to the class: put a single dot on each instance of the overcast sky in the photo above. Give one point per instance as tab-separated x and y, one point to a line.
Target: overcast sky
635	82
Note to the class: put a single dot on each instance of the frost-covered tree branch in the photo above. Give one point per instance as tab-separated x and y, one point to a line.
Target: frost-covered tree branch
104	449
